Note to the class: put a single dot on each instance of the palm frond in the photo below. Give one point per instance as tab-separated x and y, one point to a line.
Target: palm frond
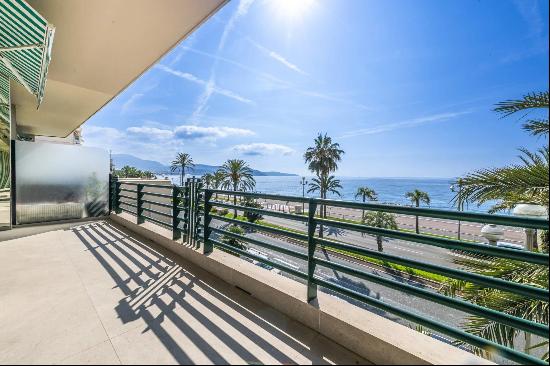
529	101
511	184
537	127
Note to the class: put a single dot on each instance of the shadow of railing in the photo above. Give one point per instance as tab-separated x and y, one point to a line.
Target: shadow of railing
155	285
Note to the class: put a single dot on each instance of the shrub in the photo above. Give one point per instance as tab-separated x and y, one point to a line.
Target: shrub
252	216
235	229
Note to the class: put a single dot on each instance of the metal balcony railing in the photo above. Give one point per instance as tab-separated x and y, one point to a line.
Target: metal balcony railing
197	203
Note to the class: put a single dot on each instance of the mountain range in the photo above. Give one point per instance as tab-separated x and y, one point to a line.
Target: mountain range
120	160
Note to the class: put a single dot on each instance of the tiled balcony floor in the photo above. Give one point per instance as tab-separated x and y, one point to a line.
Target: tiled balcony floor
95	293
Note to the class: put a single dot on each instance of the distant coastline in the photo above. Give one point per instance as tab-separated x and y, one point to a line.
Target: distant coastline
156	167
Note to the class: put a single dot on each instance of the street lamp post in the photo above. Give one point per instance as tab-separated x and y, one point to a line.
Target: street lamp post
530	210
459	200
303	183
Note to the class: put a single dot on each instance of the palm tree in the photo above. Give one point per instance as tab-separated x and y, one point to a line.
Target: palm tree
182	161
236	175
417	197
328	185
128	172
382	220
525	182
364	193
208	180
217	181
323	159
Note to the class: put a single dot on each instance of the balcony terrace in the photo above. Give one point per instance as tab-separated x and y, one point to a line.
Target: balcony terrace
97	293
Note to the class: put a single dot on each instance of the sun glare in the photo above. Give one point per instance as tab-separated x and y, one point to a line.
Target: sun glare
291	9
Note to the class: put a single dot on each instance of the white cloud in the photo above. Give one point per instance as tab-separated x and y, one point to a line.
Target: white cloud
277	57
331	98
96	136
242	10
441	117
150	132
210	86
128	104
192	132
259	148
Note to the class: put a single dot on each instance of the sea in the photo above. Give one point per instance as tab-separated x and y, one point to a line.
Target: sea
389	190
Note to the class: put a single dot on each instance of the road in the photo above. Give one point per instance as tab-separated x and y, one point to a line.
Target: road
469	230
390	296
406	249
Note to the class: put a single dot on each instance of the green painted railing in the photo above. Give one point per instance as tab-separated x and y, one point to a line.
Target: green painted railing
197	203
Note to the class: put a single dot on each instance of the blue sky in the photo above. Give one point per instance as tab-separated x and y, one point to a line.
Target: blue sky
406	86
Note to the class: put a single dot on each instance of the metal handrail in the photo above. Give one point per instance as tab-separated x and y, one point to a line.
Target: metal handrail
197	205
506	220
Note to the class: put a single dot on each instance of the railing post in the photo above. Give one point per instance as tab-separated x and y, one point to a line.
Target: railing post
208	247
311	286
116	204
176	232
187	209
197	199
140	218
112	190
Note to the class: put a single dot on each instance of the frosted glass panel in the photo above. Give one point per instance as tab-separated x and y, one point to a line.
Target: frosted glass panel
5	179
60	182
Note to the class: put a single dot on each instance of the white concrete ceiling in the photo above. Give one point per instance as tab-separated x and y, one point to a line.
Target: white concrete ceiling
100	47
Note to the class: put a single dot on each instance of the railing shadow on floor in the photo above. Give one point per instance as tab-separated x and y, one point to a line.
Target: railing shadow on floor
167	278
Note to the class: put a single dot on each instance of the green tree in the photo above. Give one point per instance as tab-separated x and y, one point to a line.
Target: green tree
417	197
323	159
182	162
208	180
366	193
148	175
382	220
235	243
252	216
235	174
128	172
524	182
327	184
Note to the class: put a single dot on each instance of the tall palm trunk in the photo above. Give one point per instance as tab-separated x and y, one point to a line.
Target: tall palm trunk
235	199
322	213
182	175
417	226
363	212
379	243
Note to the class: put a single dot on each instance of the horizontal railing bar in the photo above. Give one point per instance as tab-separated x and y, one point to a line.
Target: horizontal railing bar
517	221
292	253
512	321
531	257
127	197
282	215
145	193
267	229
127	203
261	195
259	259
157	212
152	185
476	341
128	211
167	205
513	287
148	218
127	190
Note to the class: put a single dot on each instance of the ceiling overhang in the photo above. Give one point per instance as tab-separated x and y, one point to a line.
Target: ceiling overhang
100	48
